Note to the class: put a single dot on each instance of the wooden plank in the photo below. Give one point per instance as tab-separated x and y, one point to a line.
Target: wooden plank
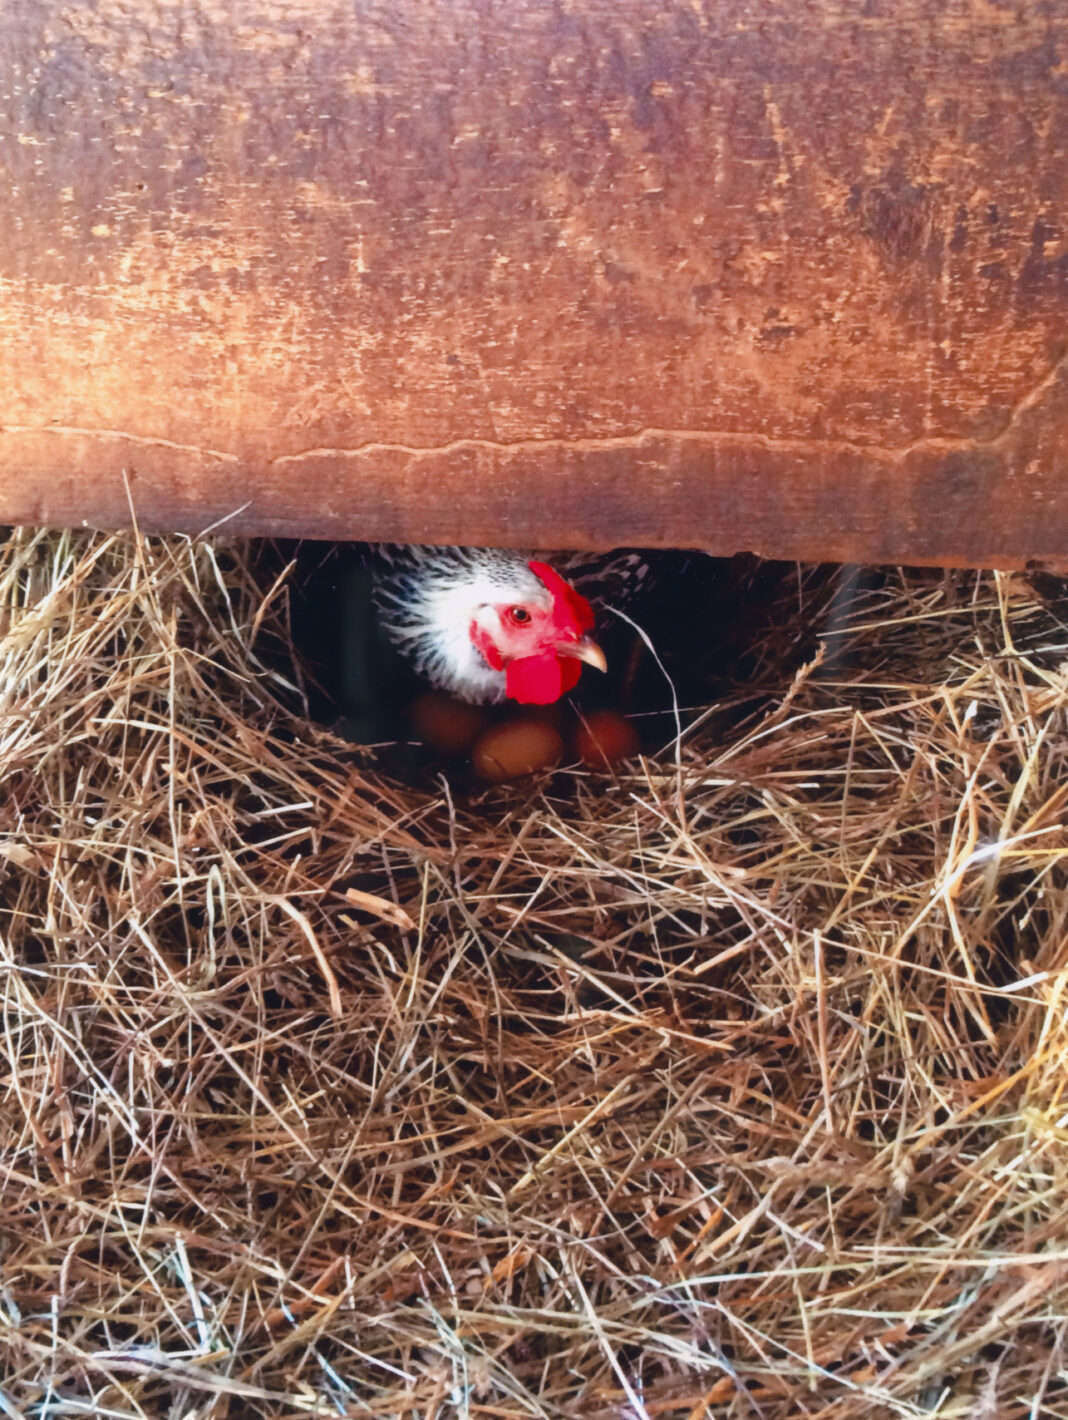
737	274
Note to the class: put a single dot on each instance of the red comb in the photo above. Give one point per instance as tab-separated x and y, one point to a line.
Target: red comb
562	591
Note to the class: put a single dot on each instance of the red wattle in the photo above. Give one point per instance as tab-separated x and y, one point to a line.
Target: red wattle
539	680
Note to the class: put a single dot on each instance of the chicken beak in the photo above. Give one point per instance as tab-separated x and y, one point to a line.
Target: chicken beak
585	650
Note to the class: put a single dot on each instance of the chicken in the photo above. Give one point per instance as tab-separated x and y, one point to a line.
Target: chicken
485	624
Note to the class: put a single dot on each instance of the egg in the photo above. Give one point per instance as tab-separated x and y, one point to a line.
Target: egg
604	738
447	725
519	746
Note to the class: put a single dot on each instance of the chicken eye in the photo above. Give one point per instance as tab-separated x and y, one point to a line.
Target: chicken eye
518	615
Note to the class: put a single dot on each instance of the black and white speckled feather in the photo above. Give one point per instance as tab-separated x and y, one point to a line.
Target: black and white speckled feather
618	578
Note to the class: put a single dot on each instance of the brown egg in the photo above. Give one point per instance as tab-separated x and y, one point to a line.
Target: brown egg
520	746
605	738
447	725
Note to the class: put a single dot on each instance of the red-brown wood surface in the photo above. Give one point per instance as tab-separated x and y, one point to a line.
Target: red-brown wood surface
787	277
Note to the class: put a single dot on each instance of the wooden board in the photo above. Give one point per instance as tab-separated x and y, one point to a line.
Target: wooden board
739	274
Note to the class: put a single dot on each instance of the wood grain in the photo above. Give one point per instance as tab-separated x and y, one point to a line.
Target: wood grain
739	274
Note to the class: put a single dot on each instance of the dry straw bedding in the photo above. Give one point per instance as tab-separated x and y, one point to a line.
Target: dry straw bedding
730	1085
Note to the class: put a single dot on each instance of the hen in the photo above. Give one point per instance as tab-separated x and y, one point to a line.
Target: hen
487	624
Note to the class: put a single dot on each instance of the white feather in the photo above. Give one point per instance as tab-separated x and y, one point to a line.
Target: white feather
428	604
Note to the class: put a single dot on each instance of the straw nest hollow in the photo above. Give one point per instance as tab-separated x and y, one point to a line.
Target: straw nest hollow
729	1084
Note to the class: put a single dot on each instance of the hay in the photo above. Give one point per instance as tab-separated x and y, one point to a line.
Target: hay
733	1085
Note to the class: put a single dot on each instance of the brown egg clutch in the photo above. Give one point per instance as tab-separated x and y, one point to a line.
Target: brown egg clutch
523	744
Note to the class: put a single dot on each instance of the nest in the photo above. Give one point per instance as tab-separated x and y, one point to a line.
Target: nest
731	1084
